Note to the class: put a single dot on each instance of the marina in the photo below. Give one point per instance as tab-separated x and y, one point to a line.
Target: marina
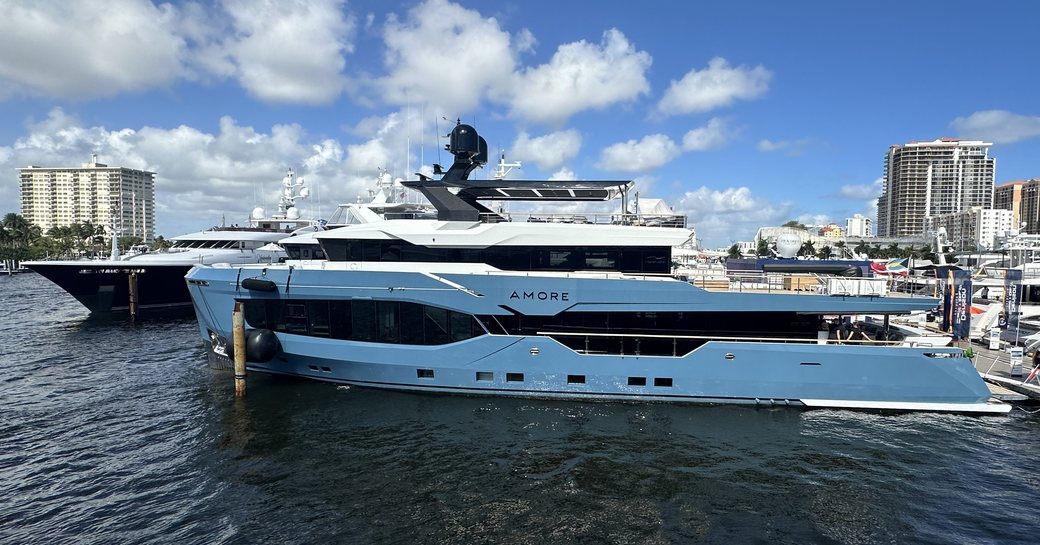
742	274
143	442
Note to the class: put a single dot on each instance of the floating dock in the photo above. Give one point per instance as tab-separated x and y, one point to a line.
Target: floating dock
995	368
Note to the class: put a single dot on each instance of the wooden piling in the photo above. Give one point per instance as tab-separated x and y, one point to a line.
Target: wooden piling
238	327
132	296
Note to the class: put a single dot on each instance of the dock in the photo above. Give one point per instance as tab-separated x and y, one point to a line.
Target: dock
995	368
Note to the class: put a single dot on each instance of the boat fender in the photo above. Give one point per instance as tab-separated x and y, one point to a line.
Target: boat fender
259	284
261	345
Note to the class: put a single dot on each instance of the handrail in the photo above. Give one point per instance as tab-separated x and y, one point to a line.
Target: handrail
649	220
716	338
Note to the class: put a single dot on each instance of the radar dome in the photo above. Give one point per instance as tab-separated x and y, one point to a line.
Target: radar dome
292	213
257	213
305	192
788	244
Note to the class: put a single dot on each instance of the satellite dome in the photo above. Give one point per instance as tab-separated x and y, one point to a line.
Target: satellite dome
292	213
257	213
788	244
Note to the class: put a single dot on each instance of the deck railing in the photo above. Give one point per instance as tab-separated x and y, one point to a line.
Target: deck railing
657	220
647	344
806	283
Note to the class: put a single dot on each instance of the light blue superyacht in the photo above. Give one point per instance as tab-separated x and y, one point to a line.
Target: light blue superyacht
474	303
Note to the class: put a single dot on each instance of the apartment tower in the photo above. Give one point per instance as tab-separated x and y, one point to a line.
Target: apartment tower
927	179
118	197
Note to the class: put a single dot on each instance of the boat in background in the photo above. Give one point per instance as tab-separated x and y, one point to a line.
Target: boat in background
157	278
476	303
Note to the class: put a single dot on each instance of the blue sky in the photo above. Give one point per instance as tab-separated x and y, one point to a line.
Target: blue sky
739	114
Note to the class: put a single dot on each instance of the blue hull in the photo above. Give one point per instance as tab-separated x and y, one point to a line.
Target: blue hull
716	371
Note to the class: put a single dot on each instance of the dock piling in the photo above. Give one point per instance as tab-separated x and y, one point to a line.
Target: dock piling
238	327
133	296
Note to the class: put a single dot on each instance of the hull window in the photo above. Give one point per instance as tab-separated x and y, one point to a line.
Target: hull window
637	381
485	376
514	377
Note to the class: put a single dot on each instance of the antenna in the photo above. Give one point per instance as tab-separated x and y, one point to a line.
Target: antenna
437	127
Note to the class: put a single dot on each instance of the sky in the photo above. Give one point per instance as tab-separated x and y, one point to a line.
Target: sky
738	114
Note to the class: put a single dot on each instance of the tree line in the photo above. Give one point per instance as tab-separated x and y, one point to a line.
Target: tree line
838	251
22	240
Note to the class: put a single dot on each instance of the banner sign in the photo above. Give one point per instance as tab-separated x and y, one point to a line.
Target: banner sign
1012	299
960	307
942	278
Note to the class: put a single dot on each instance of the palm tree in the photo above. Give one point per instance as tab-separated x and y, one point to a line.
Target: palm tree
762	249
161	243
825	252
840	245
21	232
862	249
734	252
807	248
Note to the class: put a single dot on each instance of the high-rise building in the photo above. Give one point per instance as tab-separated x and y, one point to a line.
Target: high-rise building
110	197
858	226
928	179
1008	196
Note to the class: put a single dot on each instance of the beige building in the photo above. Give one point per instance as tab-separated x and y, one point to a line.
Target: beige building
117	197
928	179
1023	199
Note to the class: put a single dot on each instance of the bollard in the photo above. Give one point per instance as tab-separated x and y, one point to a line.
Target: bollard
238	328
132	296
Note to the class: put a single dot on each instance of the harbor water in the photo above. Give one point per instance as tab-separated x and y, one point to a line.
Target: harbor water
120	433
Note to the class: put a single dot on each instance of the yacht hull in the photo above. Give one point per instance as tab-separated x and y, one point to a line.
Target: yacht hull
739	371
104	287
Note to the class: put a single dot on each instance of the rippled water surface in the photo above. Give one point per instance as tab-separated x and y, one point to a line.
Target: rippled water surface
120	433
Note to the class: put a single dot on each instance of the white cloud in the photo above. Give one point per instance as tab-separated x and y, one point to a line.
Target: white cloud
202	177
547	151
732	214
651	152
580	76
860	192
278	51
447	56
997	126
290	51
716	86
564	174
80	50
814	219
789	147
712	136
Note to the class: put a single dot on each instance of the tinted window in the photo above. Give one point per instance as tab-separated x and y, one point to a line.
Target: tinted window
386	316
363	320
435	324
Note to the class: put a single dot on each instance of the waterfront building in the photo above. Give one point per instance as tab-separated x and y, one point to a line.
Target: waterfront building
832	230
1008	196
112	197
974	229
927	179
858	226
